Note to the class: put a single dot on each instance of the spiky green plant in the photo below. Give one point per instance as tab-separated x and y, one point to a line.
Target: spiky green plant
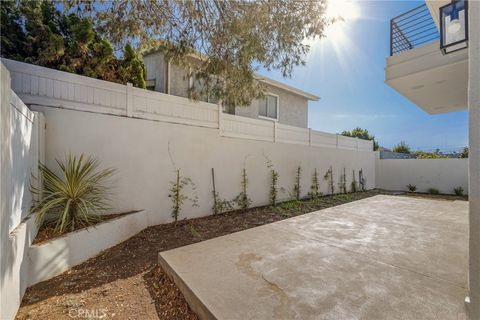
73	198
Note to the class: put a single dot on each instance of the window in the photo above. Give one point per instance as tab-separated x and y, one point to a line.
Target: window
268	107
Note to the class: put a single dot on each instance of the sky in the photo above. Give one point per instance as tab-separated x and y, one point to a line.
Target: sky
346	70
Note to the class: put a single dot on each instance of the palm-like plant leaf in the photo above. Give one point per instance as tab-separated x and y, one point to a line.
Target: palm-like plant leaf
74	198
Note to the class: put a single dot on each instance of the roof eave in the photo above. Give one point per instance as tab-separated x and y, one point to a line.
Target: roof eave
286	87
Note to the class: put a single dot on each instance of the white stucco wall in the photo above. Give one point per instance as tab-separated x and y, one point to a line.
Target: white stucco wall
21	149
474	164
146	154
442	174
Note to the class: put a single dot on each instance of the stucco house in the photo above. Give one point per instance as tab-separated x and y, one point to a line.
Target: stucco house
281	102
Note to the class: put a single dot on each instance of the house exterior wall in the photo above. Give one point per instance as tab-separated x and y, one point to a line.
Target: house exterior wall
293	109
179	81
155	67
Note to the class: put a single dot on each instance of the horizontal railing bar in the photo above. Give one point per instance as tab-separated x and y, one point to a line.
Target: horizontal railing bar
400	36
425	41
428	24
406	23
402	43
412	37
427	35
411	17
410	11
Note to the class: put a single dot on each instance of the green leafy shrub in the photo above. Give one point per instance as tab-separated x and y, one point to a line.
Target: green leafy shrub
273	187
354	184
412	187
73	198
433	191
296	187
329	177
242	200
362	181
315	187
458	191
342	184
402	147
219	205
178	196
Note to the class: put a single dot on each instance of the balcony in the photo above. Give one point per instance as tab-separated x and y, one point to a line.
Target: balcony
417	68
412	29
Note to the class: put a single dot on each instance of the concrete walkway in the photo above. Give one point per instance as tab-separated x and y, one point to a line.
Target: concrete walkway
383	257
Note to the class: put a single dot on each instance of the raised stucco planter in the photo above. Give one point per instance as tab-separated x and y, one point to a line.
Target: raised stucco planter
51	258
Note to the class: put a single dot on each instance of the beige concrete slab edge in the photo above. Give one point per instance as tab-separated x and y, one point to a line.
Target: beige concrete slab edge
193	301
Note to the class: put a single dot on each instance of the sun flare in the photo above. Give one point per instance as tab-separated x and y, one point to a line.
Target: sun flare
344	11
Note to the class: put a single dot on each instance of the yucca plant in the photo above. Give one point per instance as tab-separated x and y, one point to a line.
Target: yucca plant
74	198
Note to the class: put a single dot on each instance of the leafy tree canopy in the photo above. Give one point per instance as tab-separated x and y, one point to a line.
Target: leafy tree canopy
429	155
232	37
464	153
362	134
402	147
38	33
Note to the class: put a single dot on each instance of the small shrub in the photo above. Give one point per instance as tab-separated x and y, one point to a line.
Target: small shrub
242	200
296	187
273	187
361	181
433	191
354	184
315	187
412	187
178	196
73	198
219	205
458	191
342	184
329	177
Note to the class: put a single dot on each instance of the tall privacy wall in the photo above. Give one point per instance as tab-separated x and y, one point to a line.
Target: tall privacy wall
22	141
441	174
147	136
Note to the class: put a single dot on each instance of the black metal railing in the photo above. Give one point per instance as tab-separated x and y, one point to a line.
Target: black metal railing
412	29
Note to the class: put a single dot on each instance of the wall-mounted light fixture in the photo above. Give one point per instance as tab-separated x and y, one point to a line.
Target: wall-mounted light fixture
454	26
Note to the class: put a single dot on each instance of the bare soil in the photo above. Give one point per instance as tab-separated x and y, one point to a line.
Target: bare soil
125	282
47	232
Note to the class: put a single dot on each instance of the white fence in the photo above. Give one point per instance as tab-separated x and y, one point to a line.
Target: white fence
48	87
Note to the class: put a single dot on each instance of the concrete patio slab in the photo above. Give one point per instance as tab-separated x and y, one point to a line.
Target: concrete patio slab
384	257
